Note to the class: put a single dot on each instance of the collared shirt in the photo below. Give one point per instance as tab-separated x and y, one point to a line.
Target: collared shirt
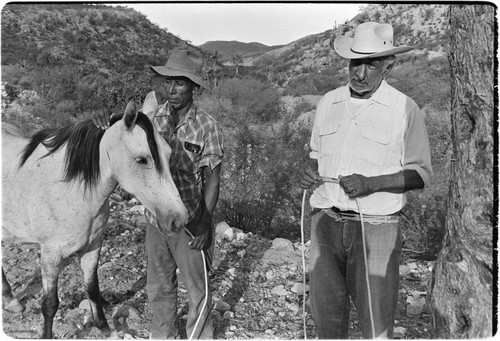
196	142
385	135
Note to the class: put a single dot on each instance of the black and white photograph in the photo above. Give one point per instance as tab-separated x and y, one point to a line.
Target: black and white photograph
249	170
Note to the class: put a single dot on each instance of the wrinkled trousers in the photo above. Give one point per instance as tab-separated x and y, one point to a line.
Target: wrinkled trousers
338	271
165	255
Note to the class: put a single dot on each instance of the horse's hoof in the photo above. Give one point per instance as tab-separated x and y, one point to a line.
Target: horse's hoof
14	306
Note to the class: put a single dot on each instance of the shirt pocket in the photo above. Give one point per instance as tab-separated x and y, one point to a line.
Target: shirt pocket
328	138
374	145
193	150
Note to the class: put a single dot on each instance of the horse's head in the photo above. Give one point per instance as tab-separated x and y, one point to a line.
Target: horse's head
138	159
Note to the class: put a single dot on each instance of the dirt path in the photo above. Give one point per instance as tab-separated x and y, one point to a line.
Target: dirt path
256	283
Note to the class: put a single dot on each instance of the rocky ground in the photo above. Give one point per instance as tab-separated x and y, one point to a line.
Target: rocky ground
257	288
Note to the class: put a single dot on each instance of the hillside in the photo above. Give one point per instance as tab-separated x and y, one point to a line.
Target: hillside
103	38
228	49
422	26
66	60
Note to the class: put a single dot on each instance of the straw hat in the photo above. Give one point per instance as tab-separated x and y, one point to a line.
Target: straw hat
183	63
371	40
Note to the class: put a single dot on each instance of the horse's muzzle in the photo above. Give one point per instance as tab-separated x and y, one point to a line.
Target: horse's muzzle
174	221
178	224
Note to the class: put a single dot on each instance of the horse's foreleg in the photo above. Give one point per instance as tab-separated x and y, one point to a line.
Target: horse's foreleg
88	263
9	302
51	267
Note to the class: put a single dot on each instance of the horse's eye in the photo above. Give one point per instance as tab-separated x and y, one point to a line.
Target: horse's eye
141	160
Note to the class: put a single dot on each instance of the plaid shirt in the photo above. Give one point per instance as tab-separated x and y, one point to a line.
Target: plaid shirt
196	142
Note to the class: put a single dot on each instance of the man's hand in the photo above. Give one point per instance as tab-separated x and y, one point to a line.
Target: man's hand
101	117
308	175
356	185
200	228
201	242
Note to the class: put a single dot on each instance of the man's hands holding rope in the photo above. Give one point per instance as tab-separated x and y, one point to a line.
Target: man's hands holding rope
355	185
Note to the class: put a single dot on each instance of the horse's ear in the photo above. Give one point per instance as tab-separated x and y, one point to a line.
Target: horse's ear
150	105
130	115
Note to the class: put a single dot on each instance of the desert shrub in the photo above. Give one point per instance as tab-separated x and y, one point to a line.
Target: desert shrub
314	84
425	81
259	100
258	188
425	212
259	192
302	106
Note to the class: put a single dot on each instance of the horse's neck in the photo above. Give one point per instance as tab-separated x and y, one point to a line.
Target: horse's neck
107	182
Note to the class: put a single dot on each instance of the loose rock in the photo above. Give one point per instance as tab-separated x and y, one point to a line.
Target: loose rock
222	306
221	227
228	234
139	209
282	243
279	290
84	305
399	332
298	288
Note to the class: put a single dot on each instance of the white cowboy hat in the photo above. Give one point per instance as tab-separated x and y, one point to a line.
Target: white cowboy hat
183	63
371	40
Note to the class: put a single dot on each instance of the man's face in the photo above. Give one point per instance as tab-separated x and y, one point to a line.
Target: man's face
365	75
178	91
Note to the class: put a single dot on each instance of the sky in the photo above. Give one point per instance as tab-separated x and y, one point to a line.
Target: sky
266	23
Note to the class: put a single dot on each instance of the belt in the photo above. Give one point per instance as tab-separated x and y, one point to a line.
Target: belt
340	215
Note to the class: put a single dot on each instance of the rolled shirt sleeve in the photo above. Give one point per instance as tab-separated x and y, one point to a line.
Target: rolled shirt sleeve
213	151
417	155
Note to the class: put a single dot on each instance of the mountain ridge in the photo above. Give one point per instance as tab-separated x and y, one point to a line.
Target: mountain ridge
228	49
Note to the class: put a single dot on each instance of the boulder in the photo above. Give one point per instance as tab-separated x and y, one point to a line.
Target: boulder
298	288
228	234
222	306
282	243
221	227
84	305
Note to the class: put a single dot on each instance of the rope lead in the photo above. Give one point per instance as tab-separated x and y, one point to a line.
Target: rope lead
365	258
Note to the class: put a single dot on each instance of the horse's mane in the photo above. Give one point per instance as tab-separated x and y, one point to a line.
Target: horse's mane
82	152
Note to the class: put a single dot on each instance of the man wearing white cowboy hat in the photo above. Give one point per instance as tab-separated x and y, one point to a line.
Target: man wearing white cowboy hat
369	146
195	163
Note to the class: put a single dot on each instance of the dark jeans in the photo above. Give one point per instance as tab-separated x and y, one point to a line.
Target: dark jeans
165	255
338	271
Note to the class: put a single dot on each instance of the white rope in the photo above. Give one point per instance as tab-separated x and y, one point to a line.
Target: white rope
303	264
365	258
365	252
200	314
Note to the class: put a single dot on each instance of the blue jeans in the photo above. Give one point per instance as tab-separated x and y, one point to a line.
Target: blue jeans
165	255
338	271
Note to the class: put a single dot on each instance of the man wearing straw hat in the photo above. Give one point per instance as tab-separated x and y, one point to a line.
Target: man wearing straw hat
369	146
195	163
